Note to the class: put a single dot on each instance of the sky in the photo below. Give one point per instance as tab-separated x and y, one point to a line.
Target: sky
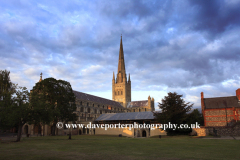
181	46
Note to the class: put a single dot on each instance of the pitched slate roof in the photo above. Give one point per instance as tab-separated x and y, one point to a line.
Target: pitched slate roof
125	116
135	104
221	102
88	97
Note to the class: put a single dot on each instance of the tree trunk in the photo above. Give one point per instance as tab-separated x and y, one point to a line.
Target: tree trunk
19	135
70	137
53	129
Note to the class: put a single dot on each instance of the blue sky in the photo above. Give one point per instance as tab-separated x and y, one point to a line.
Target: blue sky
186	47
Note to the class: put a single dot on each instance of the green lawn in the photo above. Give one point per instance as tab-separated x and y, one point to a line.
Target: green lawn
109	147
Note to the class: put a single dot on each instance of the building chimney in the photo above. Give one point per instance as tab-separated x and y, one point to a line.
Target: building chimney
203	107
238	93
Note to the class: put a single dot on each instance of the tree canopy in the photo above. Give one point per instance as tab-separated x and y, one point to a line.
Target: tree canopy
14	104
53	101
173	109
7	89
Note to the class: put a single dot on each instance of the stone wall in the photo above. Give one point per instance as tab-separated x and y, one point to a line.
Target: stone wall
221	131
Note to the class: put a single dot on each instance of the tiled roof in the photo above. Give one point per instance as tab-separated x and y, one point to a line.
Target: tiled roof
135	104
88	97
221	102
125	116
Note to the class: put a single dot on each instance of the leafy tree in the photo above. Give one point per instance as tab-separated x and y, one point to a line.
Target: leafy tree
14	104
20	112
7	89
195	116
174	110
53	101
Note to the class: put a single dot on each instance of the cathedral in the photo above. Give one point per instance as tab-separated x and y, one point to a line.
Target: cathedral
90	107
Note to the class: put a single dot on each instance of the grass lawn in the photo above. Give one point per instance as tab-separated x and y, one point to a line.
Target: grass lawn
109	147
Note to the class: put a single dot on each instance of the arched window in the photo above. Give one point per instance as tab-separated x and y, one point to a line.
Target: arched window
93	105
115	93
81	103
118	92
121	92
100	111
134	110
87	104
88	110
139	110
95	111
81	110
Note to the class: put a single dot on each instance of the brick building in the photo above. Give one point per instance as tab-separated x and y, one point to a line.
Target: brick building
221	111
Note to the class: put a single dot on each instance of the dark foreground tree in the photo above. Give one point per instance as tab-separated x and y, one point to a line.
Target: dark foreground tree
195	116
173	110
14	104
20	111
53	101
7	89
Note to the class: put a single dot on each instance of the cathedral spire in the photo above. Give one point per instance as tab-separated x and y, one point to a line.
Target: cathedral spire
121	63
129	78
121	75
113	76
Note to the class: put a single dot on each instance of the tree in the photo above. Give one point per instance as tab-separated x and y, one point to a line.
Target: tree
14	104
7	89
174	110
20	112
53	101
195	116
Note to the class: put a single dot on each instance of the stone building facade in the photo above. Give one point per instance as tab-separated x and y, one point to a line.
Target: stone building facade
135	119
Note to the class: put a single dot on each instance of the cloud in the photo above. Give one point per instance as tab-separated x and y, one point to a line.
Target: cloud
182	46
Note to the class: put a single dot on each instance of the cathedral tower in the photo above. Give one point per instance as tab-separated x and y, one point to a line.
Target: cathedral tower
121	86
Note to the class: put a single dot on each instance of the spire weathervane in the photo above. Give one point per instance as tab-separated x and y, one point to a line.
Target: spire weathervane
40	77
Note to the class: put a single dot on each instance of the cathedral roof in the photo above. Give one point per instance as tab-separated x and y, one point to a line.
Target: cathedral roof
135	104
88	97
126	116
